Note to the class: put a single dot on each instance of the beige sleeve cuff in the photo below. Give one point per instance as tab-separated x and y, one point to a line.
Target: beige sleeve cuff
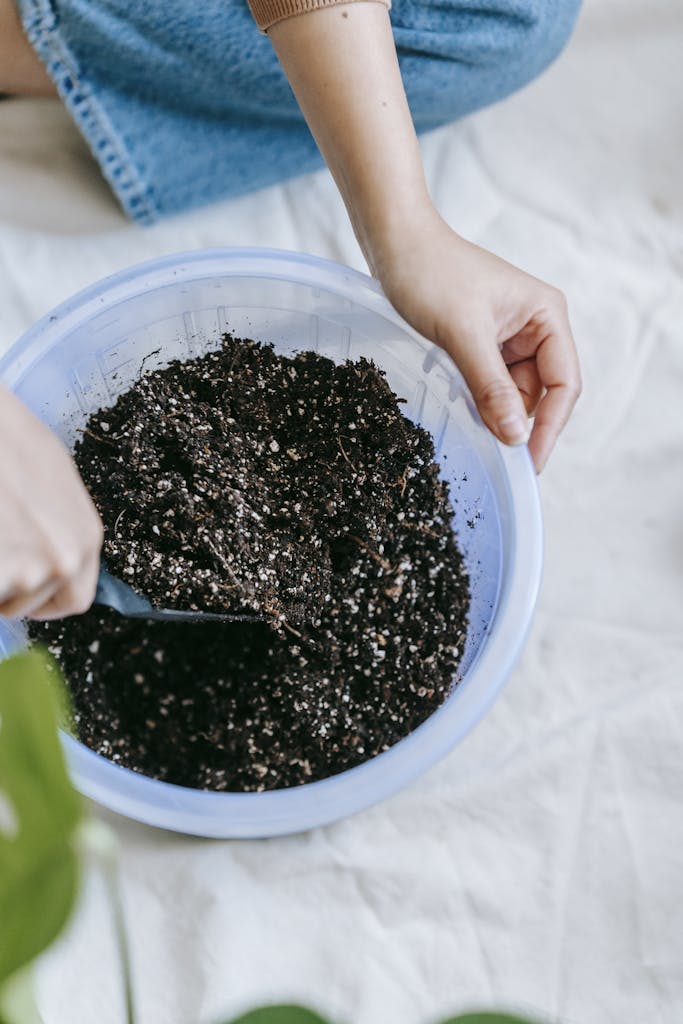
268	12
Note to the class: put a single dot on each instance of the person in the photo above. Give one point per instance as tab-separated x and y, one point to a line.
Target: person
183	104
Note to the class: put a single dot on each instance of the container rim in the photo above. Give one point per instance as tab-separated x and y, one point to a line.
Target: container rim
278	812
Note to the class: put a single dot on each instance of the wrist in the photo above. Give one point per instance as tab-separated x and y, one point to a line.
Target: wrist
383	229
396	239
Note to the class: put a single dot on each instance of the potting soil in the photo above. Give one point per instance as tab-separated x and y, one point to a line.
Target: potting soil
292	487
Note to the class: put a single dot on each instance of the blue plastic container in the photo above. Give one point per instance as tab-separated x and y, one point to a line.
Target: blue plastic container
88	350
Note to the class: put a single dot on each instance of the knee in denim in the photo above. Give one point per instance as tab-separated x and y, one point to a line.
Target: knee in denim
544	28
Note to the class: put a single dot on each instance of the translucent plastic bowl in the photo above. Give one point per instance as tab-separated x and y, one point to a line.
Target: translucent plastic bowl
89	349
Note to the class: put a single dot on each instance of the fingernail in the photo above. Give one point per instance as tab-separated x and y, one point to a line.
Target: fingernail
514	429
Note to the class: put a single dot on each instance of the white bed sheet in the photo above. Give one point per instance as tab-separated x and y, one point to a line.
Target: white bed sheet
540	865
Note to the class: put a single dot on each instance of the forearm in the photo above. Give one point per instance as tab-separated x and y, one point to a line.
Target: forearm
507	332
341	63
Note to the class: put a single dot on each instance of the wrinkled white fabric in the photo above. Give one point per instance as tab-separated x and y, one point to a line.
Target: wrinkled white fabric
540	865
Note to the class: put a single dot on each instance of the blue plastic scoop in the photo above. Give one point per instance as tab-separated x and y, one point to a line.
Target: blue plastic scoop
115	594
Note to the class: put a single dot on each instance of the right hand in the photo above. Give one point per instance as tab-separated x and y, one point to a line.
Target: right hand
50	532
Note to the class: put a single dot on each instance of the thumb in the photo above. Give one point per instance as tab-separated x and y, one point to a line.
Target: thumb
495	393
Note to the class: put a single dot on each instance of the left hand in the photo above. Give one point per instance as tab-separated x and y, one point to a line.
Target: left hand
507	332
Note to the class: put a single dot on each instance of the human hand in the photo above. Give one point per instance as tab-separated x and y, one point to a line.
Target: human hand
507	332
50	533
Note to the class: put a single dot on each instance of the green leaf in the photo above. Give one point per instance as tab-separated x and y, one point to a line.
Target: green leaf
39	812
17	1002
280	1015
488	1018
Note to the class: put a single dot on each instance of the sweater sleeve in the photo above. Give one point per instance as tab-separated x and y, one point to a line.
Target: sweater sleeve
268	12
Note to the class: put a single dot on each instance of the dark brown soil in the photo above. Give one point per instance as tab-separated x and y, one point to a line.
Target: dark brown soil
290	486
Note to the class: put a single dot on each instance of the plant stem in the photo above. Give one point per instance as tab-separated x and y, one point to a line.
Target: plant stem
111	877
101	842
